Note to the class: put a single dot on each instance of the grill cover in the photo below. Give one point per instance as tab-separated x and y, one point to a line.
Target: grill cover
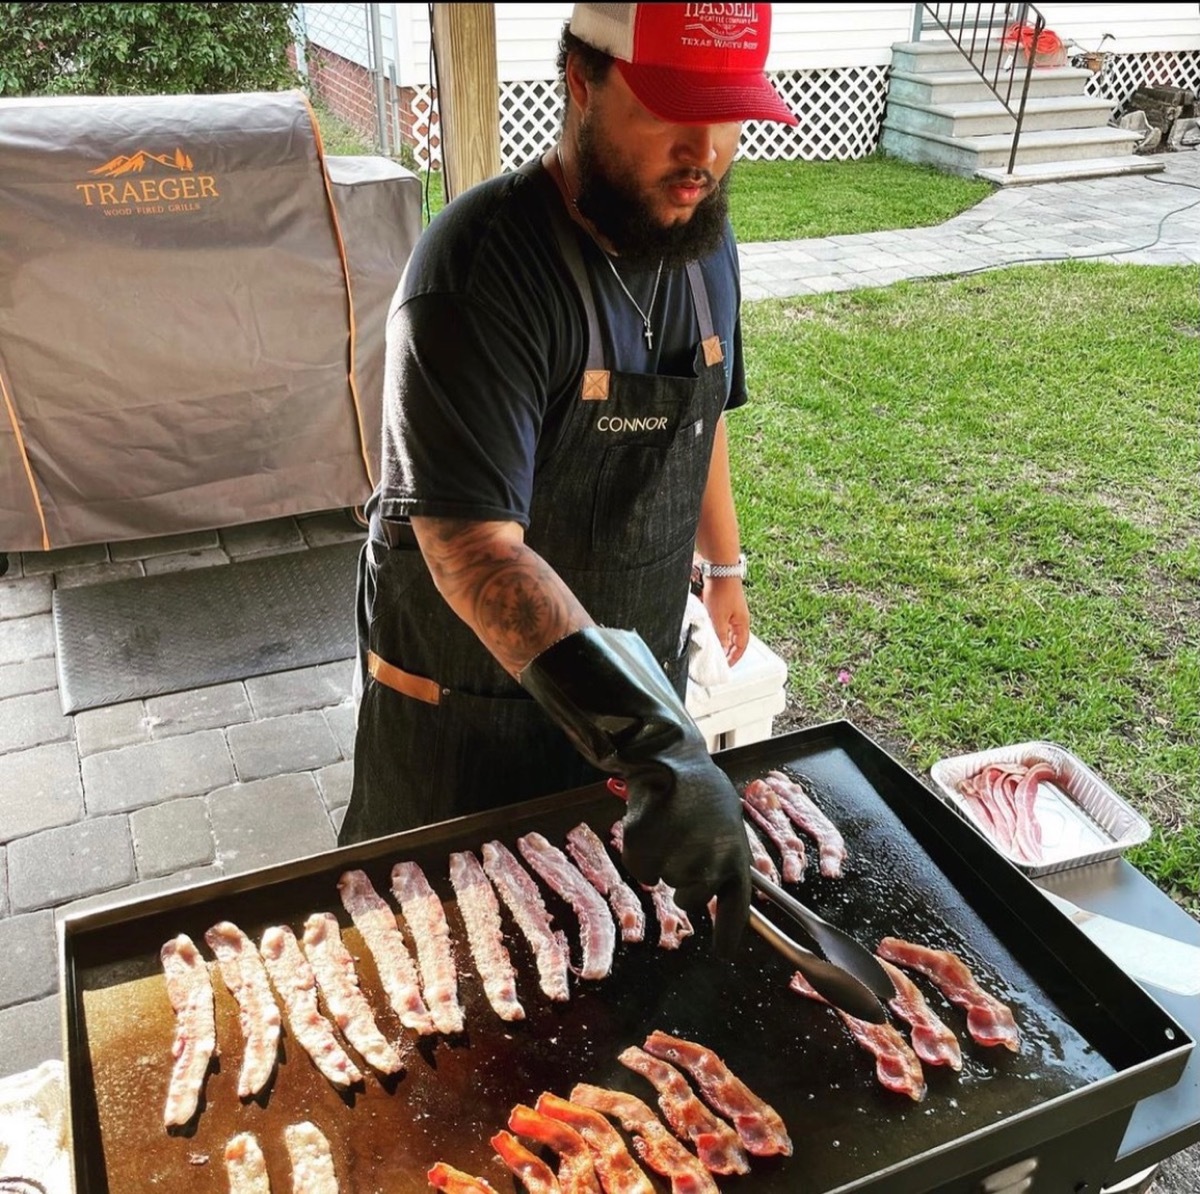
192	305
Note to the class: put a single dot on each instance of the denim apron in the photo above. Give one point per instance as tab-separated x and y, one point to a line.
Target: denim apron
443	730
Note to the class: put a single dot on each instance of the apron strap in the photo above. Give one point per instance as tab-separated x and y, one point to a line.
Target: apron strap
709	340
390	676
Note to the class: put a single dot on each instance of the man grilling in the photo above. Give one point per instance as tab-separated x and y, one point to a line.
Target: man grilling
560	355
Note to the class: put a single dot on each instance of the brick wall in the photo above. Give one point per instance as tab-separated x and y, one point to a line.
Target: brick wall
347	89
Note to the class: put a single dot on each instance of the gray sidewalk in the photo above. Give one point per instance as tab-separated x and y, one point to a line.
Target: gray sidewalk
1132	220
150	795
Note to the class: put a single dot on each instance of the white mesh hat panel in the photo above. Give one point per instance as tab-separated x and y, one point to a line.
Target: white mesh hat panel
607	27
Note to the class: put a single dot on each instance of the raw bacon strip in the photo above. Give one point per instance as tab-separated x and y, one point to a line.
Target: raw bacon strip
618	1172
762	802
377	924
932	1041
576	1170
246	977
674	925
446	1177
716	1142
245	1166
338	982
989	1021
758	1125
522	898
480	910
427	922
590	856
652	1142
297	986
805	814
534	1174
190	992
311	1158
896	1065
759	858
1029	828
597	932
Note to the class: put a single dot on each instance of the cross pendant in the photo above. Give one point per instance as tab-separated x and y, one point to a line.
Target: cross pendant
649	334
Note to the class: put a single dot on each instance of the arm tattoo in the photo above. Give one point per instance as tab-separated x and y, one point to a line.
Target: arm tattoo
513	600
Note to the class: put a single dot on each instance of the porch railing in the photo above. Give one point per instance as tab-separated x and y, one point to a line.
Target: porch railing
1000	43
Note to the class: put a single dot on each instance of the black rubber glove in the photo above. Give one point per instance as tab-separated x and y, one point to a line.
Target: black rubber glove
684	820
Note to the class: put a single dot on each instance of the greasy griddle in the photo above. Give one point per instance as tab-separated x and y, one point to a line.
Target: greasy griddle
1094	1044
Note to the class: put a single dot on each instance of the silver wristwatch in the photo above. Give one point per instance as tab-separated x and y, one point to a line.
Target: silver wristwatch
719	570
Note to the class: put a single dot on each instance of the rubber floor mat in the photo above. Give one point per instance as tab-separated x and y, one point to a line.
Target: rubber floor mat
157	634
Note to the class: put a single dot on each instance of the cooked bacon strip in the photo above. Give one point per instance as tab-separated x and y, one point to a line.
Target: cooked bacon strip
805	814
576	1169
480	910
674	925
245	1166
652	1142
190	992
536	1176
716	1142
446	1177
618	1172
896	1065
590	856
297	986
311	1158
597	931
246	977
338	982
759	858
758	1125
989	1021
762	802
521	896
377	924
431	933
932	1041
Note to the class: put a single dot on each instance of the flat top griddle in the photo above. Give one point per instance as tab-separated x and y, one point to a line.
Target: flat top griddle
1094	1042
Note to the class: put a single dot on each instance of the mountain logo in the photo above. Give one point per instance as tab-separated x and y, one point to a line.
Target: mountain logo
137	162
148	184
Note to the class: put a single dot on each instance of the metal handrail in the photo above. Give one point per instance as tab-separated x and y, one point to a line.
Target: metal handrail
991	56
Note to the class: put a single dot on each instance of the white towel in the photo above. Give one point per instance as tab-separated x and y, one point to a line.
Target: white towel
707	665
33	1130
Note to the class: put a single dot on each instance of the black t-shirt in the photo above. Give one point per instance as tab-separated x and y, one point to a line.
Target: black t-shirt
487	341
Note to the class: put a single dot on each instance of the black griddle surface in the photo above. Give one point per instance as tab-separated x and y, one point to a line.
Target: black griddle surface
1079	1059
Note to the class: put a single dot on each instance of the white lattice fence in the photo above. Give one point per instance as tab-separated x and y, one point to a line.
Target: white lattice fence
1120	75
840	111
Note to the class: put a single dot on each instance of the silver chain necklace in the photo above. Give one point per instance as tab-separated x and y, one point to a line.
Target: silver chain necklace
648	330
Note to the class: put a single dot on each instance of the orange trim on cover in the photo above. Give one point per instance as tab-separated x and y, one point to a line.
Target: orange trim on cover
16	426
341	246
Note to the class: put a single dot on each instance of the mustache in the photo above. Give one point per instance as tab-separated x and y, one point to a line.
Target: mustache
691	178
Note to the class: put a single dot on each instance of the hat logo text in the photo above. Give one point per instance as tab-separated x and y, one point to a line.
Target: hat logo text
725	25
147	184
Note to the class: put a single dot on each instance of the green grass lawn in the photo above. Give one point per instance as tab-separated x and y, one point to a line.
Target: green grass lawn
971	510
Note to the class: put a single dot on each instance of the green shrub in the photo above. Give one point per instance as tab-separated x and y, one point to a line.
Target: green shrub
138	49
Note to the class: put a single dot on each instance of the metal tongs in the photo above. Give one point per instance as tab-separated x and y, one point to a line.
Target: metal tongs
849	976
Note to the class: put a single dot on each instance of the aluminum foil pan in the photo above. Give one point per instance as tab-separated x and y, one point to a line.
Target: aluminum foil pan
1082	819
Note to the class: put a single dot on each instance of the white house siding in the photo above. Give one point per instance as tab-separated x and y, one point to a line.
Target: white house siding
1136	28
804	36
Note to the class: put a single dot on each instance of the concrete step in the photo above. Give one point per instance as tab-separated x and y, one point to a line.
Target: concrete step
941	54
980	117
969	156
965	86
1070	171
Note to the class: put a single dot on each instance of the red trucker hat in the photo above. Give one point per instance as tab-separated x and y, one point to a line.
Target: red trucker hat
689	63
